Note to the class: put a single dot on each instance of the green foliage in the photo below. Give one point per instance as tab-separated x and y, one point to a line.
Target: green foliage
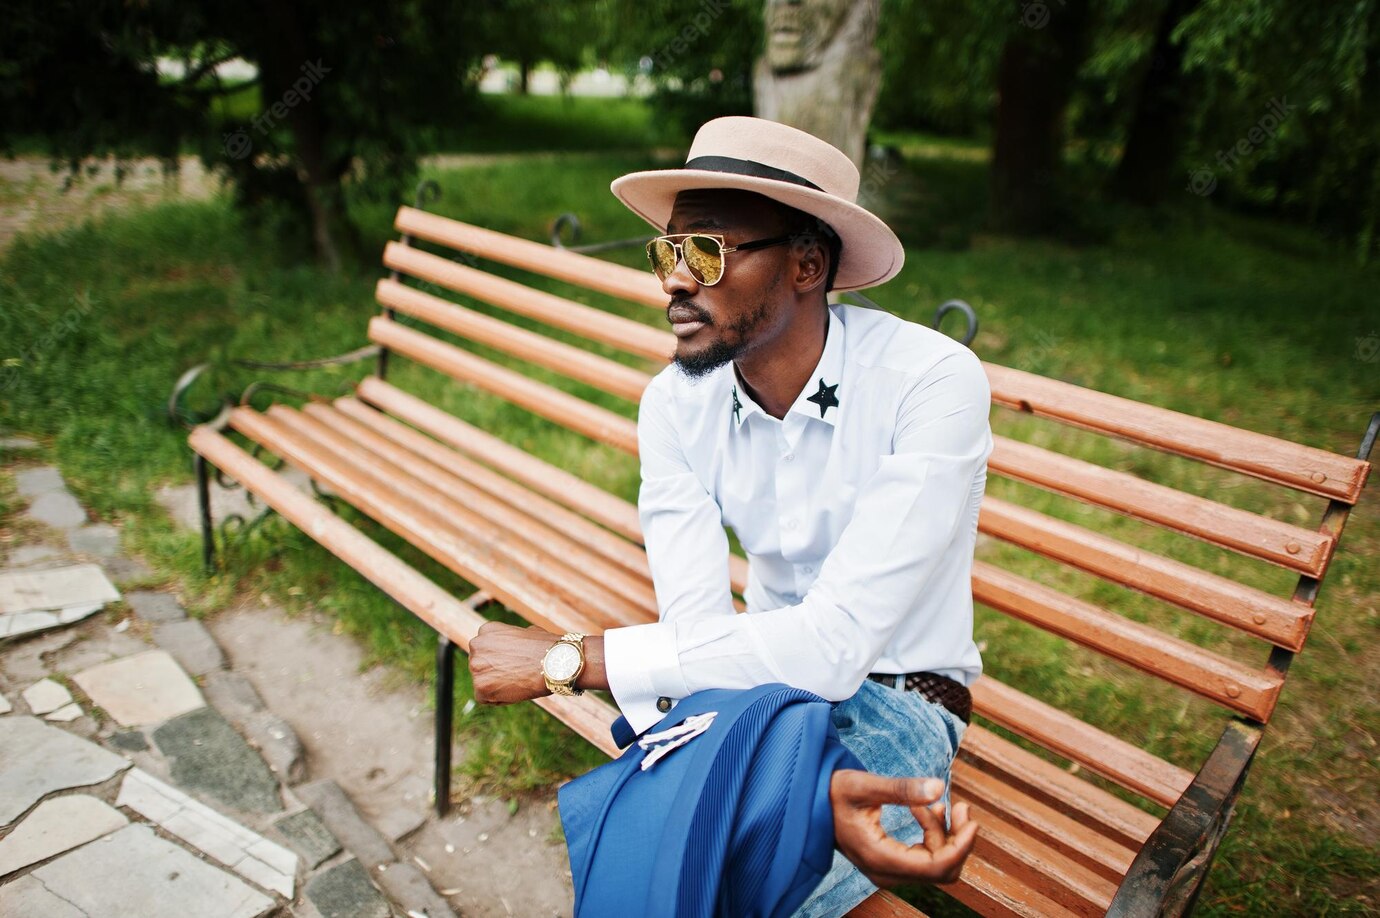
699	55
939	64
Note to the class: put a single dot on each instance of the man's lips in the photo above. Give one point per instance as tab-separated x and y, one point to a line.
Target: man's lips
679	314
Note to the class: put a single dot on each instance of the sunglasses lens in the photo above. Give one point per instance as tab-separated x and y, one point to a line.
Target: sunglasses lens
704	258
662	255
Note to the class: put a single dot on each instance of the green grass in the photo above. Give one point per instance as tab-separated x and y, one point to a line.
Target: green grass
1246	322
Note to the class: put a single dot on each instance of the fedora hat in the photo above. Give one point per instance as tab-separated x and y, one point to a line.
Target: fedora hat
787	165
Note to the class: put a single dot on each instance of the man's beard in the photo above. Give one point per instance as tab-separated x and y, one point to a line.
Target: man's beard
733	341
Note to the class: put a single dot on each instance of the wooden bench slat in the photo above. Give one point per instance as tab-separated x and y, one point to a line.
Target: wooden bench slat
1293	547
540	398
1294	465
547	401
550	480
628	552
1217	678
885	904
612	558
993	893
1043	870
484	565
1030	776
560	264
1283	622
525	546
609	545
601	372
589	322
1065	735
1052	828
418	594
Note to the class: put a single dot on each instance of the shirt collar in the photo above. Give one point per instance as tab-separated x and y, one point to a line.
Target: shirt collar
821	392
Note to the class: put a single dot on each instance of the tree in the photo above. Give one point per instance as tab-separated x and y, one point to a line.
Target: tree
1035	79
1149	168
344	92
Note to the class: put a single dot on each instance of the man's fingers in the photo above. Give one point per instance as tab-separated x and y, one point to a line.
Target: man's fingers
862	788
933	824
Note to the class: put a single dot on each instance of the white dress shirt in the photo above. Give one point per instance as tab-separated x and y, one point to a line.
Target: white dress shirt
857	511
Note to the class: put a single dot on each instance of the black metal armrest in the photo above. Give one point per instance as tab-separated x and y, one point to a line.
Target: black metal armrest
178	414
1166	876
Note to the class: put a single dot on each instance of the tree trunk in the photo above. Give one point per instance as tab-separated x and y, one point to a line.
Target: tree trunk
1035	78
1148	170
524	76
822	70
286	59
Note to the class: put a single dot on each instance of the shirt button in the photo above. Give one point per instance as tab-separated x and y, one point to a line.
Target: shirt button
790	524
809	569
663	704
788	457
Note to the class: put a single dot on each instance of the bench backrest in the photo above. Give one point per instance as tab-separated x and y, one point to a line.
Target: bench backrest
1148	538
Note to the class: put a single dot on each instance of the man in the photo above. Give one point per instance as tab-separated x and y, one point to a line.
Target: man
846	448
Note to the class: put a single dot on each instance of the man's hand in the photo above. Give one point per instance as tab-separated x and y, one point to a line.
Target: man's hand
505	662
857	798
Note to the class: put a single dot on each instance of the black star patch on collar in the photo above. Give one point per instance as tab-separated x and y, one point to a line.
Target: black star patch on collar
824	398
736	404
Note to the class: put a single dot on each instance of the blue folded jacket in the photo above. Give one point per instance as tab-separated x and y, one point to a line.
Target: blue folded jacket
721	809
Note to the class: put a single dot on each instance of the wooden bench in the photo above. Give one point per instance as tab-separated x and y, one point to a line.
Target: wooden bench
1075	820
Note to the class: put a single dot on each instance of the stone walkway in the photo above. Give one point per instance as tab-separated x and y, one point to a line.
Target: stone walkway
139	775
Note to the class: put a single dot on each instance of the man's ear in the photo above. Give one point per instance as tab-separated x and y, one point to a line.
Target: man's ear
812	260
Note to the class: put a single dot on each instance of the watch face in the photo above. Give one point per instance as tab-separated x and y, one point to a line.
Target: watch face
562	662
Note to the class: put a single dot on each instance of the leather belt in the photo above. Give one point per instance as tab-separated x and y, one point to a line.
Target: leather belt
942	690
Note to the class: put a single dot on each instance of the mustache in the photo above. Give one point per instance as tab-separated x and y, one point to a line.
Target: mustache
687	310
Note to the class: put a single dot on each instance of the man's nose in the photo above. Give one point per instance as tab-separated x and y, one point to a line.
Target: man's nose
680	280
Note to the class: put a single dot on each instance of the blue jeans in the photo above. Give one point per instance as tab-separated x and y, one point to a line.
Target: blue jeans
898	734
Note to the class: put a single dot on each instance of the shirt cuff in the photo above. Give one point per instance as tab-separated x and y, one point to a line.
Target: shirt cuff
642	664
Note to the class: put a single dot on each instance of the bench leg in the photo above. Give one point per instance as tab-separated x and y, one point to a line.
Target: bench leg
203	496
445	710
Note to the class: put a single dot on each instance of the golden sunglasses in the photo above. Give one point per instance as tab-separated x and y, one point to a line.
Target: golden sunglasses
703	253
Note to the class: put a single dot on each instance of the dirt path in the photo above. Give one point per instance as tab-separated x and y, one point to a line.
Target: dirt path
372	736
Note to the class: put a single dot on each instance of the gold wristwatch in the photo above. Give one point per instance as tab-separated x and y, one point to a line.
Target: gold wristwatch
563	663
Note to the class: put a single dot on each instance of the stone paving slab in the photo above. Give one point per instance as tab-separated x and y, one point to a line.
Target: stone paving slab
46	696
141	690
406	886
65	714
155	607
5	706
132	872
99	539
36	760
307	835
340	816
33	482
208	757
57	825
18	444
344	891
191	646
57	509
56	588
247	853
